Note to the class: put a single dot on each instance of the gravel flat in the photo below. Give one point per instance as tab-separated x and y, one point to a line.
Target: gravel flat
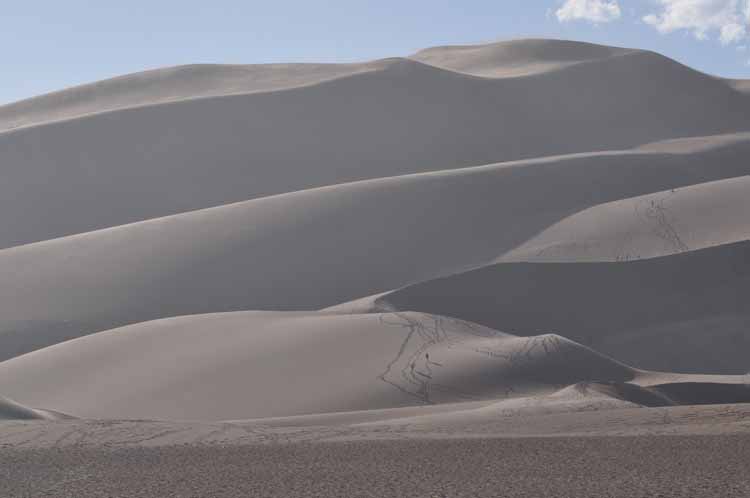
579	467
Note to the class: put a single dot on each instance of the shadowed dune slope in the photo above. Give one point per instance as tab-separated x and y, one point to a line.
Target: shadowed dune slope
702	393
257	364
659	224
402	117
685	312
280	252
10	410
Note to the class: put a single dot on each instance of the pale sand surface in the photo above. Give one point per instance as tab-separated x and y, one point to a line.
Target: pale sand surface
658	224
150	87
255	364
280	252
397	117
246	365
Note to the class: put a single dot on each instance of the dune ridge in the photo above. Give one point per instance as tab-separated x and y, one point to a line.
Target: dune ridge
201	152
241	365
652	313
169	84
275	252
668	222
515	58
10	410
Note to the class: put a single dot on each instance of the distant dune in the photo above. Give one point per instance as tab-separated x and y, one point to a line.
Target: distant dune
516	58
388	118
168	85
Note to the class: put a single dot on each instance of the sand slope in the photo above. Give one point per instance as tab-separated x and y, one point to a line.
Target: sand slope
658	224
251	364
685	312
10	410
280	252
401	117
169	84
515	58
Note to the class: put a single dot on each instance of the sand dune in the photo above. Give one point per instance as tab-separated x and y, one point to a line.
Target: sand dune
658	224
589	202
560	192
279	252
402	116
515	58
10	410
169	84
251	364
684	312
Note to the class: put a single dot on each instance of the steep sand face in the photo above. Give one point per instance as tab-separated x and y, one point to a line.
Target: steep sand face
515	57
10	410
281	252
251	364
647	313
402	117
667	222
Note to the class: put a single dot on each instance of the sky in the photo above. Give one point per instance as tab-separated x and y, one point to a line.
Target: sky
50	45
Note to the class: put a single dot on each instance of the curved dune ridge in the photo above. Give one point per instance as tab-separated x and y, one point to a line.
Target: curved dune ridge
280	252
260	364
396	117
10	410
667	222
515	58
169	84
685	312
210	80
589	202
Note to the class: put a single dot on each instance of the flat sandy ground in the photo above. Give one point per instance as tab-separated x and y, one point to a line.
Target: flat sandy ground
576	467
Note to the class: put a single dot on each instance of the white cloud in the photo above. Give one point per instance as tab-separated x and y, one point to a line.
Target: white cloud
727	18
731	33
596	11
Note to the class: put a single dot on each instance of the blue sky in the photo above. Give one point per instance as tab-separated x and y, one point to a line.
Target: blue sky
50	45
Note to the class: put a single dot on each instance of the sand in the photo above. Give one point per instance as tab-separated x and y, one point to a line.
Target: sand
671	466
684	312
241	365
658	224
514	269
393	117
278	253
